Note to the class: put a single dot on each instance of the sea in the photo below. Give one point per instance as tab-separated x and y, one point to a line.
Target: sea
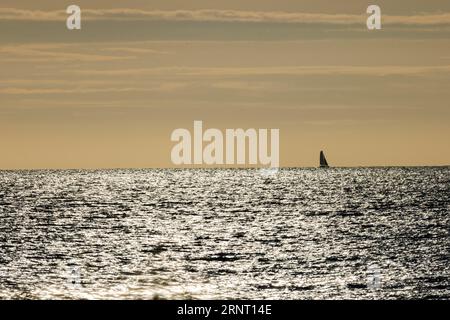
337	233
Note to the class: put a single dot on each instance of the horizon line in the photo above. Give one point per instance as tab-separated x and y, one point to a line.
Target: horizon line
223	168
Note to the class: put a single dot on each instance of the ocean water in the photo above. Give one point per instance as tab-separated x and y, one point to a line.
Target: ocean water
365	233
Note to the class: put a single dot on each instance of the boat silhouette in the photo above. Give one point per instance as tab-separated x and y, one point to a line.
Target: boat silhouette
323	160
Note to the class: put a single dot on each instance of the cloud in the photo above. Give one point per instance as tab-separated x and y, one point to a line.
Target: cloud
106	87
27	91
270	71
222	16
26	53
136	50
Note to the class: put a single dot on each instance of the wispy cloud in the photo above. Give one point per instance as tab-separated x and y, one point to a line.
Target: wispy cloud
135	50
221	16
271	71
29	53
27	91
103	88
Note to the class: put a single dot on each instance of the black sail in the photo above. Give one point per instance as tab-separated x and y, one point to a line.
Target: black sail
323	160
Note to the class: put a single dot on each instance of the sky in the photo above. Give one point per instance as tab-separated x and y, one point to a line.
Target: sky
110	95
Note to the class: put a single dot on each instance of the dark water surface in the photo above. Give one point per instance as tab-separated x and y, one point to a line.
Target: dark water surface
297	234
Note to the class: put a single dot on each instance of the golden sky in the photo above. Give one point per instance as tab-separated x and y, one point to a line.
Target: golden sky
110	94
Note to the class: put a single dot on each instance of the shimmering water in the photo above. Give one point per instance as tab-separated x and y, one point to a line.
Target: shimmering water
298	234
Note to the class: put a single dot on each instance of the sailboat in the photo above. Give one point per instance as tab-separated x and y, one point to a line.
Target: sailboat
323	160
